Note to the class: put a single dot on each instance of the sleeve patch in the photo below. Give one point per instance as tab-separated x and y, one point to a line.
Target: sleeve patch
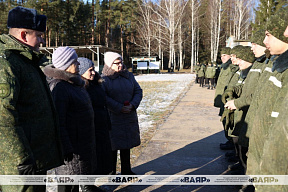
4	90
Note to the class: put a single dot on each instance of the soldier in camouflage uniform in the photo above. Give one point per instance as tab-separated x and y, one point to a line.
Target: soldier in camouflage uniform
222	83
29	134
210	75
269	99
227	118
197	68
247	89
223	78
245	58
201	75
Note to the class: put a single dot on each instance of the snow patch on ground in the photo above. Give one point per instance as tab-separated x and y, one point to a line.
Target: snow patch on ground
160	99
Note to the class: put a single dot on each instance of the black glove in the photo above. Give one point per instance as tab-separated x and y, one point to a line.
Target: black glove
68	157
27	168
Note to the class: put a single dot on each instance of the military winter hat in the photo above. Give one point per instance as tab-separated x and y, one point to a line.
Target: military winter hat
63	57
85	64
110	57
22	17
235	50
258	37
277	24
246	54
225	50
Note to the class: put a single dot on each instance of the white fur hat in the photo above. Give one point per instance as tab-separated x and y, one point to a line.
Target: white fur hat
110	57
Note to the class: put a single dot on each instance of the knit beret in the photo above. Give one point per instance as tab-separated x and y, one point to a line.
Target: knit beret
110	57
63	57
258	37
245	53
225	50
85	64
22	17
277	24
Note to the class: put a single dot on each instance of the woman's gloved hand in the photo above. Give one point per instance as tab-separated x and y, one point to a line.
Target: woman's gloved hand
27	168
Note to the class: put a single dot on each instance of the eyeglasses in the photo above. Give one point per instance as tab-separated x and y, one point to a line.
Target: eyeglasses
118	63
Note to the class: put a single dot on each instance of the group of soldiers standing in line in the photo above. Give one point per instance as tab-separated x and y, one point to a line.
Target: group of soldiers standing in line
252	95
207	74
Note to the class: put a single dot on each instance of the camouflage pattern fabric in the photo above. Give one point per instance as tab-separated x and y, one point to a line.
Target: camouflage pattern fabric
201	72
246	54
210	72
245	100
196	68
277	24
270	100
275	150
254	104
223	80
28	127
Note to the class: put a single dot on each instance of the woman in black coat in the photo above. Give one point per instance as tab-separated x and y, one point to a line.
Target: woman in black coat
123	95
93	85
76	116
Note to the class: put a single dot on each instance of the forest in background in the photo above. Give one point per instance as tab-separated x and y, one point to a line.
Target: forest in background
179	32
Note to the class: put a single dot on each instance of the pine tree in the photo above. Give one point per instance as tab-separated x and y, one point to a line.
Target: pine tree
265	9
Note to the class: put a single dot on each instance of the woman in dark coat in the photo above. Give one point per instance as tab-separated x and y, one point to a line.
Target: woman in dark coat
75	113
123	98
93	85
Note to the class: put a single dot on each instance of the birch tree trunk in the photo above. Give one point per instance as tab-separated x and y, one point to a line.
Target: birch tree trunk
192	35
215	22
180	45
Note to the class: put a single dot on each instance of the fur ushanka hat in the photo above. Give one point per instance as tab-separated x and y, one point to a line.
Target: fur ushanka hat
22	17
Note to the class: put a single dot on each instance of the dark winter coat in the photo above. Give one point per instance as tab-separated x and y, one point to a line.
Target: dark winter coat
29	130
270	100
76	119
124	132
223	80
102	126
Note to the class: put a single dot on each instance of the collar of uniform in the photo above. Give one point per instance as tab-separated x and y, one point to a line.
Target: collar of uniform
244	72
281	63
261	59
12	44
234	68
226	65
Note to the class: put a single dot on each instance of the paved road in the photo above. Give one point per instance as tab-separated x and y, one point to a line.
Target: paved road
187	143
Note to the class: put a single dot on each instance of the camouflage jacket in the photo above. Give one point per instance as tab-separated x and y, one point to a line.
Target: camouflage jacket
254	104
250	82
239	114
29	130
270	101
234	79
210	72
275	150
196	68
223	80
201	72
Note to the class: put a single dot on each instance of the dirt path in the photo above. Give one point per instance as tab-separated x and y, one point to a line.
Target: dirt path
187	143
